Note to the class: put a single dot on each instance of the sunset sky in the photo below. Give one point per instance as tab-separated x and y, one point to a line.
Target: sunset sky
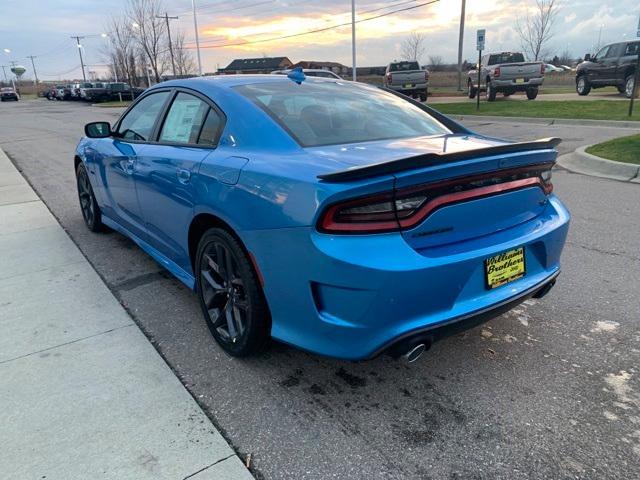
35	27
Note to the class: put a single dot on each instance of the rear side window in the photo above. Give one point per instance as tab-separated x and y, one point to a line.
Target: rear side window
137	125
184	120
404	66
210	128
632	49
506	58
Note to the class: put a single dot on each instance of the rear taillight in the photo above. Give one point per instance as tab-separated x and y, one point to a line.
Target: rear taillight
389	78
426	76
404	208
542	68
496	72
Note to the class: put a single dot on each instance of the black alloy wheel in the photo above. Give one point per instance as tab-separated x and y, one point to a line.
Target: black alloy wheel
88	205
230	295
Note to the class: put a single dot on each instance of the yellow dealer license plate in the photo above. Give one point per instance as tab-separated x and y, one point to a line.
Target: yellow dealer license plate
519	80
504	268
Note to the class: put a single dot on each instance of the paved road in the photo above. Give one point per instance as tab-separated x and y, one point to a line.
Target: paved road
553	97
550	390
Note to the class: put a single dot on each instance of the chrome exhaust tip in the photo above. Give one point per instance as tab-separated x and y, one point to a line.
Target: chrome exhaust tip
414	353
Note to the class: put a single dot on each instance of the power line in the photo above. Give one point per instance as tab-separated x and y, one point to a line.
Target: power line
319	30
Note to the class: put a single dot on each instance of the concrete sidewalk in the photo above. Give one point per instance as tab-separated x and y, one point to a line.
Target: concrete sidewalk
83	394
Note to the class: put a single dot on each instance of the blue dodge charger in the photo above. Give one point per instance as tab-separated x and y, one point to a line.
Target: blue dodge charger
334	216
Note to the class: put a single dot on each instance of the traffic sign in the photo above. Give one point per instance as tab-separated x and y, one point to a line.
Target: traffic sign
481	38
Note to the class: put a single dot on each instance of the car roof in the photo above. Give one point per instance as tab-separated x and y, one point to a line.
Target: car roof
217	82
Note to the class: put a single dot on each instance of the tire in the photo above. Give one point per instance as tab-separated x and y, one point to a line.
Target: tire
471	90
532	93
88	204
490	93
628	85
233	304
423	96
583	87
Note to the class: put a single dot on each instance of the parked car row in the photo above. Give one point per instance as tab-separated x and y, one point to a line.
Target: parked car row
93	91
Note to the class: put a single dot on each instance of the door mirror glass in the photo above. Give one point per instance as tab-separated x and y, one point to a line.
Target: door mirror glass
97	130
587	57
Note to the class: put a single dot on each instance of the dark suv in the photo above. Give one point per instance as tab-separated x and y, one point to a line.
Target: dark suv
613	66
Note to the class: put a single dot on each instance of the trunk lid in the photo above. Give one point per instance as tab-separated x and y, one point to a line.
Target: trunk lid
519	70
464	198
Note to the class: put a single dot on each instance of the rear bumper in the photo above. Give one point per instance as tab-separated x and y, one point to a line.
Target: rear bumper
352	296
413	88
510	84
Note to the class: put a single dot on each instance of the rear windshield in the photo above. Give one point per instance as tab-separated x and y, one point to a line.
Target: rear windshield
506	58
403	66
320	113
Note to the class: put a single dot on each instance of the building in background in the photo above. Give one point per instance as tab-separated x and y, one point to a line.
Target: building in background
256	65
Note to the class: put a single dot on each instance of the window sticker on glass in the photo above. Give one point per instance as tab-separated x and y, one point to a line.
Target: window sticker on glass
184	120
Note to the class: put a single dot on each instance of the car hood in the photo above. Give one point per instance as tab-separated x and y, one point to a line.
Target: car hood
369	153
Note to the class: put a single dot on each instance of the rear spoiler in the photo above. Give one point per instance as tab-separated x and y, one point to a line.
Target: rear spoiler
431	159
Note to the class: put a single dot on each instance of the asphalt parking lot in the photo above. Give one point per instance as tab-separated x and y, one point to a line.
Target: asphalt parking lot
549	390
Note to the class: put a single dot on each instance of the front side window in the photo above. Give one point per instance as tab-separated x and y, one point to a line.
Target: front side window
184	120
138	123
603	53
320	113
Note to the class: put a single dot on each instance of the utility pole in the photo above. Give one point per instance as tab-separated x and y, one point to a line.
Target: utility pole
195	26
35	74
353	39
166	19
4	72
84	77
460	44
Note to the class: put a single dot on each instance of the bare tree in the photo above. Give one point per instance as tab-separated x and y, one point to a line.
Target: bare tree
185	64
122	49
150	32
436	63
535	30
413	47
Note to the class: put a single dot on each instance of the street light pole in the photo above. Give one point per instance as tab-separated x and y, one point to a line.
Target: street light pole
460	43
35	74
166	19
353	39
195	26
84	77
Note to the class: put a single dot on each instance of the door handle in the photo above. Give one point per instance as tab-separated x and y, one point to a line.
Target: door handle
184	176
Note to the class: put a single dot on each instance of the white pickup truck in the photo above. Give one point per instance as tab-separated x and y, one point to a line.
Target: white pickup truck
506	73
407	77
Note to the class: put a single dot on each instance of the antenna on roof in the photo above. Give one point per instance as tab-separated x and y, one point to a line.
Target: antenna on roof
297	75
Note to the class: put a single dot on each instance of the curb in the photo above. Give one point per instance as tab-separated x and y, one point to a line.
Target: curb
582	162
549	121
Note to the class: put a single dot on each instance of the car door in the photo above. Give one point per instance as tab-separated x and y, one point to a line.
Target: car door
597	70
117	160
610	63
188	134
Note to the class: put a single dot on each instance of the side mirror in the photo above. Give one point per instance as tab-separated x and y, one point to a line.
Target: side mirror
587	57
97	130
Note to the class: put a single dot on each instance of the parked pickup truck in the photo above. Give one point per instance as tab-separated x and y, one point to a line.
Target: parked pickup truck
614	65
408	78
112	91
506	73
